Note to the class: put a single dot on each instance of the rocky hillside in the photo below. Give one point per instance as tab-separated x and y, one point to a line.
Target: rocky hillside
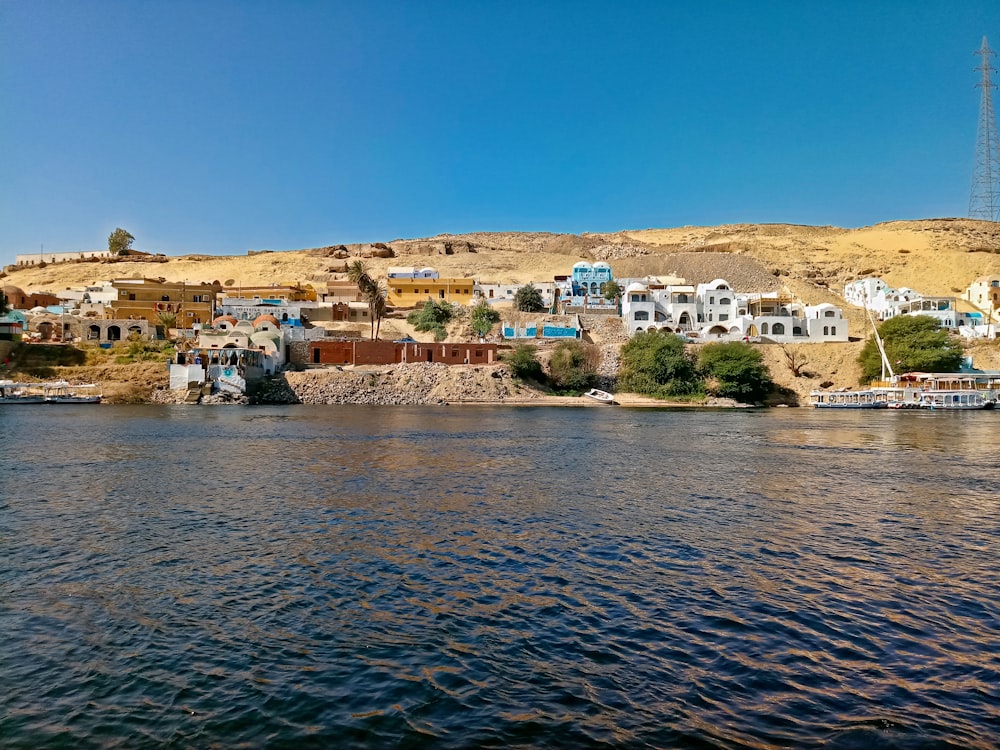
939	256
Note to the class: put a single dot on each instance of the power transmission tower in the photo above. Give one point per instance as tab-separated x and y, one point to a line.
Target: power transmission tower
985	200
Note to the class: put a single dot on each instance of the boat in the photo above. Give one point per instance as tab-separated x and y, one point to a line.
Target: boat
62	392
19	393
847	399
600	396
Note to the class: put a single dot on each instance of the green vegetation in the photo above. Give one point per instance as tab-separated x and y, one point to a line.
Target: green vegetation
483	318
660	365
529	299
120	242
523	362
735	370
138	350
913	343
433	316
573	366
657	364
612	290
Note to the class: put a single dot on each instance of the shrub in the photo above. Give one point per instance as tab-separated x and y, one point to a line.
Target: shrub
573	366
432	317
523	362
736	370
659	365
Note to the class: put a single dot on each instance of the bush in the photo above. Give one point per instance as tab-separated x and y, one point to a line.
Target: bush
523	362
913	343
736	370
432	317
529	299
573	366
483	318
658	365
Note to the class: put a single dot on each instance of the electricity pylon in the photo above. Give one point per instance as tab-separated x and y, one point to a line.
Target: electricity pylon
985	200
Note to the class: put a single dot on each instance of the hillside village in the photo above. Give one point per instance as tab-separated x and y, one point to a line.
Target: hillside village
782	288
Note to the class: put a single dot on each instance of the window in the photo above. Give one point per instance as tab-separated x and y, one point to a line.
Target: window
640	315
833	330
723	316
725	301
778	329
826	330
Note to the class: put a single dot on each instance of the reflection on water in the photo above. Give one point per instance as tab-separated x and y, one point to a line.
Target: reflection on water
498	577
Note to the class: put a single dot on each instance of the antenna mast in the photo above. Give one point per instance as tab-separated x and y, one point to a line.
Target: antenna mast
985	200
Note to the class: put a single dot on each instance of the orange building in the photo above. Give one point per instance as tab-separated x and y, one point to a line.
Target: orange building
146	299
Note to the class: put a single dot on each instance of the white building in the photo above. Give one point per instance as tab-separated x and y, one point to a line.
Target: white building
884	302
714	311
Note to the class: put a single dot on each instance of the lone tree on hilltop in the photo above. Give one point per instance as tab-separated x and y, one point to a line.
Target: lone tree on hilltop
529	299
120	242
913	343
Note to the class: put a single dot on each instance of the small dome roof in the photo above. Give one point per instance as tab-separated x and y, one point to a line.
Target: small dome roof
266	318
225	319
602	264
581	265
635	286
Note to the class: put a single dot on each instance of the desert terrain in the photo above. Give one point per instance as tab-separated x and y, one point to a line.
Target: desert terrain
933	256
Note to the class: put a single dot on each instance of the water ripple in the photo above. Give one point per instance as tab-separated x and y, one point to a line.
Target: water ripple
463	578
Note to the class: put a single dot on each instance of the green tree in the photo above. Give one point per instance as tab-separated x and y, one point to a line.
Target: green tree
659	365
529	299
120	242
523	362
913	343
433	317
573	366
612	290
483	318
735	370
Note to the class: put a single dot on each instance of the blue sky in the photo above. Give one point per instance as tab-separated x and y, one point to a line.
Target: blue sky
222	127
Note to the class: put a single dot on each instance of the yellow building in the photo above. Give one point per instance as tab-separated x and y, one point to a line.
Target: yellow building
147	299
285	291
405	292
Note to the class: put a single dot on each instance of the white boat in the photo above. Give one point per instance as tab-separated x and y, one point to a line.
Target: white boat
19	393
963	400
62	392
866	399
601	396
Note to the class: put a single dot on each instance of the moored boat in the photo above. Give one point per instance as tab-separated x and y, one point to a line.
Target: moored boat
62	392
19	393
600	396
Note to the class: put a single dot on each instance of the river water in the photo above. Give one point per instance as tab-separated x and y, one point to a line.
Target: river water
470	577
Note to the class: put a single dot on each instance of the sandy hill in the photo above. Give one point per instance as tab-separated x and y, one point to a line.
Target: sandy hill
934	256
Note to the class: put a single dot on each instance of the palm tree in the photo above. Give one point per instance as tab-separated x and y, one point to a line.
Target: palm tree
372	292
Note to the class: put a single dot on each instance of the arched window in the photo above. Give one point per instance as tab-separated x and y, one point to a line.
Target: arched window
725	301
763	329
830	314
826	330
778	329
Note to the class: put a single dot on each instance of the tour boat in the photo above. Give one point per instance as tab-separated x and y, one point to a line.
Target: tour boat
62	392
866	399
19	393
